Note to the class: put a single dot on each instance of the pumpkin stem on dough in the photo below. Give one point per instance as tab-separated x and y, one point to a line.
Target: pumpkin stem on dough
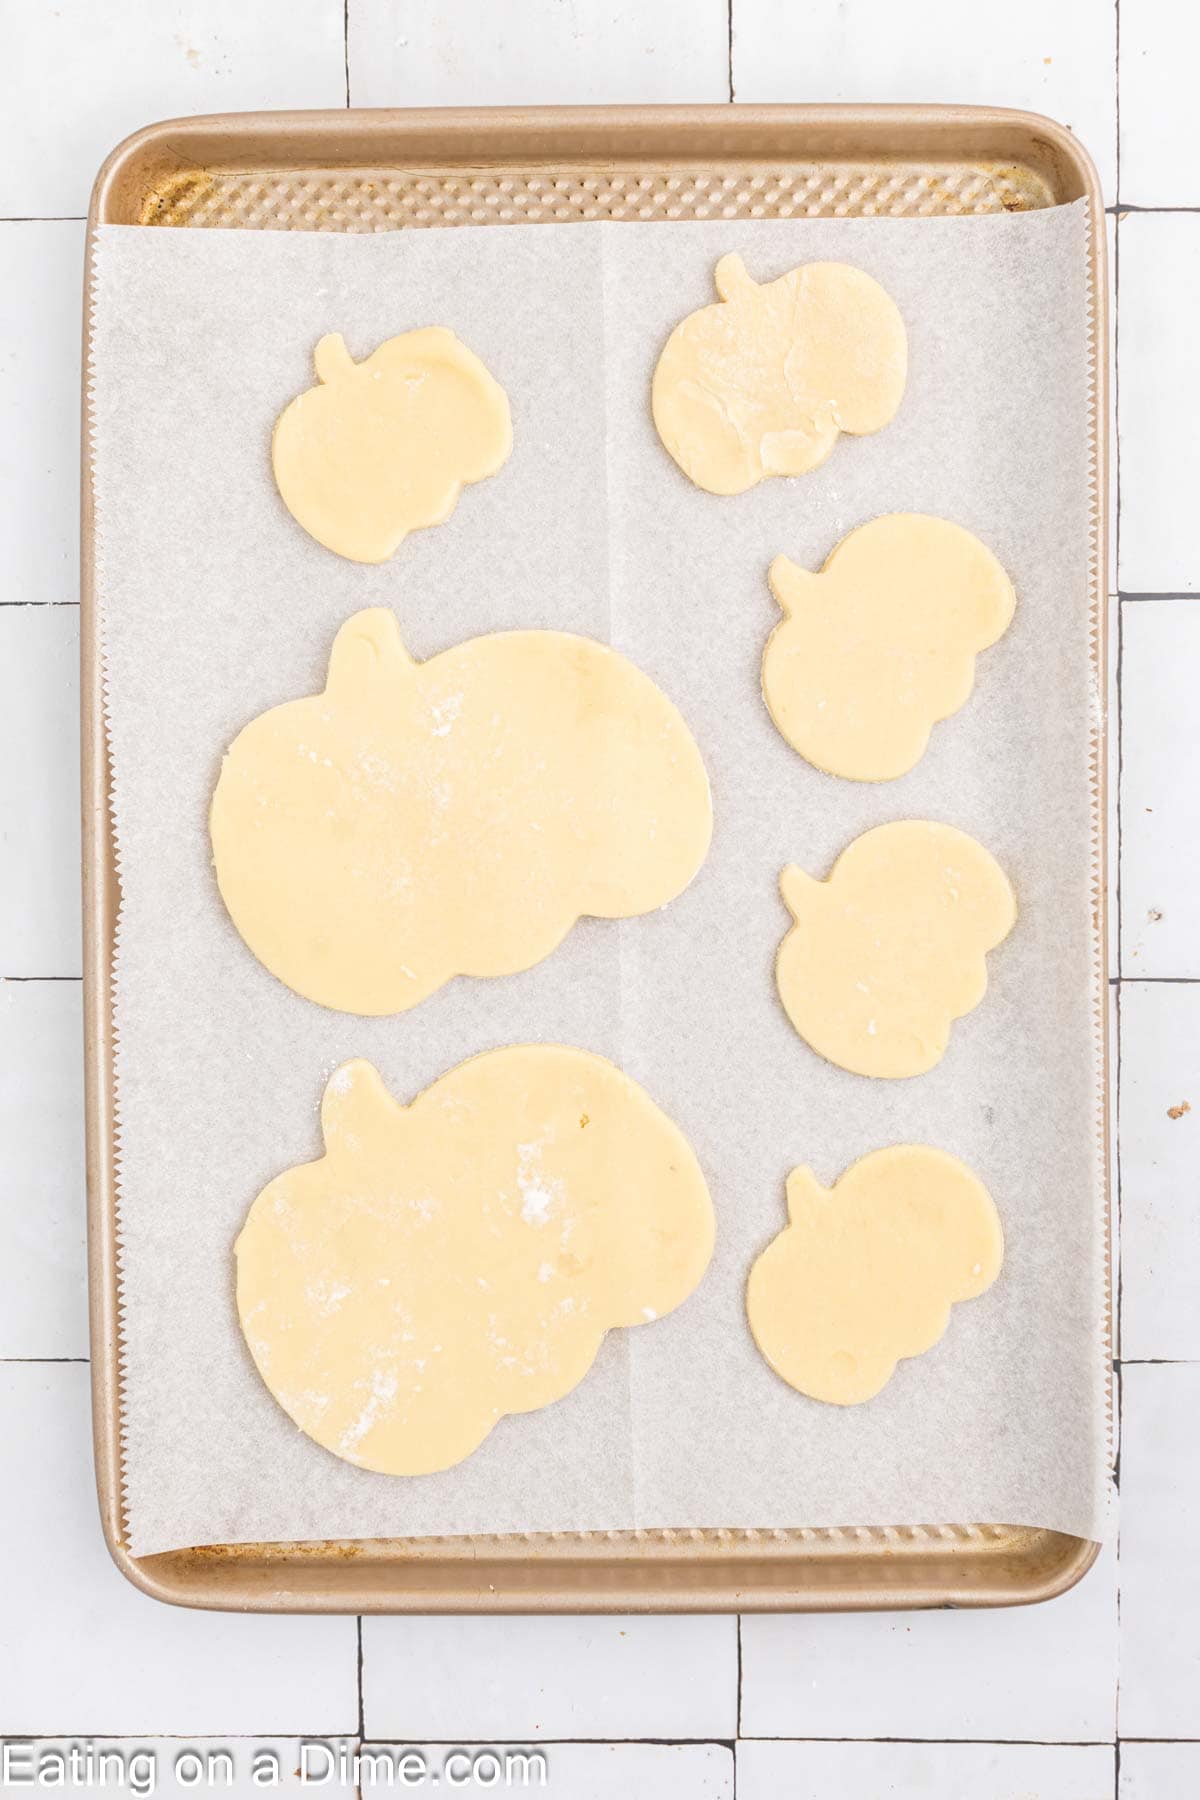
367	647
802	1189
331	359
732	279
795	884
353	1098
787	581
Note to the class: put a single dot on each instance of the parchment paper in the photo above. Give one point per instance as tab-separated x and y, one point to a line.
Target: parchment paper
215	605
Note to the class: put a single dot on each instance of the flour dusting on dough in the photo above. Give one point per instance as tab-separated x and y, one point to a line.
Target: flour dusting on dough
539	1192
451	1261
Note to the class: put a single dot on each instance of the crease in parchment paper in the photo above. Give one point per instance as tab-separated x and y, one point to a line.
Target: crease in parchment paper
620	927
214	605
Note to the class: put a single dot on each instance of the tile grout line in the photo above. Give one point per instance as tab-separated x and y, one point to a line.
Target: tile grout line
933	1742
1120	1380
607	1743
1158	980
1160	1740
729	46
1157	1362
737	1717
346	46
359	1677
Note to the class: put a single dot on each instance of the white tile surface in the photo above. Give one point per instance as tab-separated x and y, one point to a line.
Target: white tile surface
924	1771
41	318
1110	247
1160	46
233	1768
39	790
43	1292
1045	1672
1160	1573
77	1640
1056	58
541	52
583	1771
1158	356
497	1679
1160	788
1114	1176
1160	1155
76	78
1113	793
1159	1772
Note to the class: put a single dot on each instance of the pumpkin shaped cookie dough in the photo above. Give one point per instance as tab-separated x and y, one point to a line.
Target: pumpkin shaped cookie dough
889	951
763	382
417	821
385	446
866	1271
879	645
451	1261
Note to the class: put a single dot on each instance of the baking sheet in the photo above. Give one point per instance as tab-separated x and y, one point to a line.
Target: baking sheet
214	605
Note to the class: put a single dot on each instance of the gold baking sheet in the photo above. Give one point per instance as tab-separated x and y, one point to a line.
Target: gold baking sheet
356	171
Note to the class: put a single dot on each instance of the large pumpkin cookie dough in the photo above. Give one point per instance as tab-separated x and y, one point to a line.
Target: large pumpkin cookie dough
451	1261
867	1271
382	447
763	382
881	644
889	951
455	817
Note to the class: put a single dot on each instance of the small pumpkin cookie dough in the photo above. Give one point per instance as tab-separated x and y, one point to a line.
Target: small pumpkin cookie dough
889	951
451	1261
417	821
879	645
866	1271
763	382
385	446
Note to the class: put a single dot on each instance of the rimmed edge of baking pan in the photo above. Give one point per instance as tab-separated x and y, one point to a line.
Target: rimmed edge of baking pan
922	160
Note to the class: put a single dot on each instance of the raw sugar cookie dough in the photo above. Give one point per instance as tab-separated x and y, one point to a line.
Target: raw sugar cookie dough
880	645
889	951
451	1261
764	381
417	821
866	1271
385	446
